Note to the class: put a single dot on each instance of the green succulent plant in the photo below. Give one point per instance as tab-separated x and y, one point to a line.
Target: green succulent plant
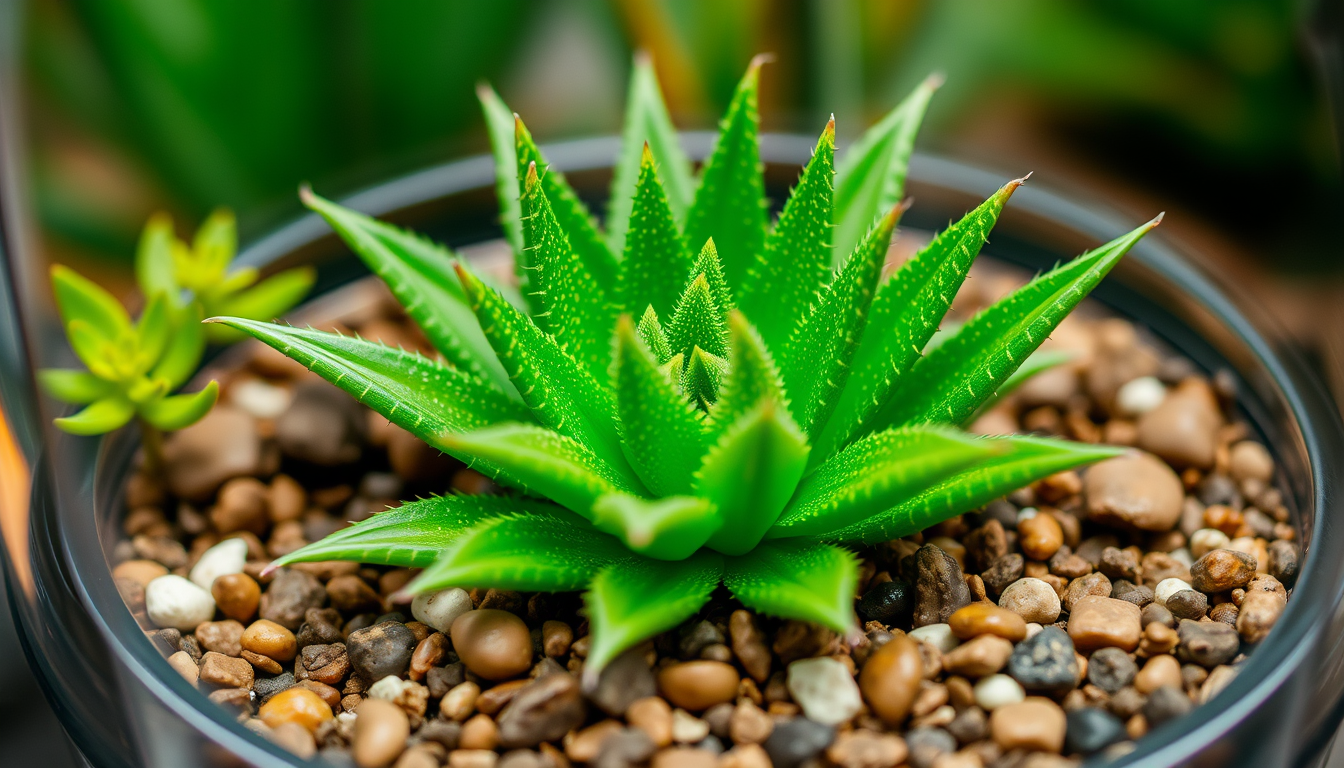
131	368
695	397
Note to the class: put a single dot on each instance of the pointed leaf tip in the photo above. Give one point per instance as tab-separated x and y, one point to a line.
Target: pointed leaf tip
530	183
934	81
758	61
1157	219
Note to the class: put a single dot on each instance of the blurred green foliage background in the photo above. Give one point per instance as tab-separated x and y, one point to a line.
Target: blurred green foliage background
1206	106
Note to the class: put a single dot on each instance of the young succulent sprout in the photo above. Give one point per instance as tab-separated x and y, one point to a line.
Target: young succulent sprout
696	397
132	367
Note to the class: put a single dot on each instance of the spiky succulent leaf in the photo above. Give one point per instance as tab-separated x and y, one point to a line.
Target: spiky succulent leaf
751	473
562	394
871	176
670	528
1040	361
499	124
797	580
99	417
543	462
650	331
662	435
420	275
424	397
875	473
951	382
656	258
648	125
904	316
638	598
540	552
414	534
751	378
709	265
578	311
1030	459
702	377
698	322
575	220
829	336
787	276
266	300
177	411
729	204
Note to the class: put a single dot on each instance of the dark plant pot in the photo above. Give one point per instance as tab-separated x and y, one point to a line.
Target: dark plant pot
124	706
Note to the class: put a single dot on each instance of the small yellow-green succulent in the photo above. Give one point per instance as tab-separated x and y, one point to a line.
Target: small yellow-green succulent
694	397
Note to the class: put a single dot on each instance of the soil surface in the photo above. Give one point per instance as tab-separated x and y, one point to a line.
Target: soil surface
1064	620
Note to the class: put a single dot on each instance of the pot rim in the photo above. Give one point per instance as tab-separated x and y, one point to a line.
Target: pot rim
1298	633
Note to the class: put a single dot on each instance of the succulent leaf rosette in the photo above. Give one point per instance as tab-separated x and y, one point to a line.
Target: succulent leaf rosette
693	397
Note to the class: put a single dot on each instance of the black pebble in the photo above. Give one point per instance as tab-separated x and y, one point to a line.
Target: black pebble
1045	662
890	602
1092	730
796	741
1164	704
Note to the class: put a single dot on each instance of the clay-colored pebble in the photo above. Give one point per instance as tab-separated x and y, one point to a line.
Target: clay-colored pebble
460	701
472	758
1035	724
985	619
295	739
271	640
1100	622
185	666
698	685
585	744
381	728
236	595
1040	536
419	756
479	732
556	637
1258	614
653	716
863	748
980	657
685	757
1032	599
1157	672
1249	460
295	705
1184	428
140	571
492	643
890	679
1136	490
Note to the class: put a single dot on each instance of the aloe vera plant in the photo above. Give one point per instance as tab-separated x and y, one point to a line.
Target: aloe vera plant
132	367
695	397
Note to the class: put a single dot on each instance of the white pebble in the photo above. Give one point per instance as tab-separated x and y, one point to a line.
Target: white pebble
997	691
1032	599
1026	513
265	401
388	688
1206	540
1166	588
825	690
226	557
173	602
1182	556
938	635
1032	629
440	609
1140	396
687	728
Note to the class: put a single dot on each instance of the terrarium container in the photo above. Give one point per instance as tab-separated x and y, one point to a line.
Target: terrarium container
122	705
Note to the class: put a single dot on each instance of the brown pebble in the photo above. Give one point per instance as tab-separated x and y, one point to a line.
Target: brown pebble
479	732
986	619
491	701
271	640
863	748
236	595
286	499
1092	584
749	645
427	655
745	756
980	657
1100	622
263	663
351	594
492	643
295	739
220	636
1136	490
890	679
1035	724
1157	672
139	571
1258	614
749	724
698	685
583	746
556	637
295	705
460	701
225	671
1040	536
324	692
381	730
241	506
652	715
1248	460
1183	429
1222	570
685	757
418	756
185	666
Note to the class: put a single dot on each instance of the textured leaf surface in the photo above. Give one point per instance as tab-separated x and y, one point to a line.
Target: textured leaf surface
541	552
662	435
579	313
950	383
1030	459
819	355
99	417
639	598
751	473
751	378
905	314
414	534
646	124
499	123
560	392
543	462
702	377
670	528
871	175
426	398
573	215
698	322
177	411
656	258
877	472
787	277
651	333
729	204
797	580
420	275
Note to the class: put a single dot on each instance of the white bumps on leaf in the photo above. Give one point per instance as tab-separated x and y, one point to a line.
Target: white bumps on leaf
440	609
825	690
173	602
226	557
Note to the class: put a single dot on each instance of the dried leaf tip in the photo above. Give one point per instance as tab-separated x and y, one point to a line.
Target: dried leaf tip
754	68
828	133
306	194
646	157
531	181
934	81
643	58
1156	220
472	286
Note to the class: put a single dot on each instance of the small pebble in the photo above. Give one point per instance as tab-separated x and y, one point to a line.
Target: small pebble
172	601
653	715
940	636
270	639
225	671
225	558
185	666
890	679
824	688
984	618
1046	662
1222	570
385	649
1139	396
1090	730
236	595
1165	704
1188	604
1136	490
749	645
940	586
980	657
863	748
1248	460
928	745
1040	536
1257	615
997	691
1034	724
1033	600
797	740
698	685
546	709
492	643
298	706
1111	669
890	602
1098	622
440	609
1206	540
381	730
1207	643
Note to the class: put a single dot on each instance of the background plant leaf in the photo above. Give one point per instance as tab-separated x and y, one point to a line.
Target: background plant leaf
74	386
499	124
99	417
178	411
